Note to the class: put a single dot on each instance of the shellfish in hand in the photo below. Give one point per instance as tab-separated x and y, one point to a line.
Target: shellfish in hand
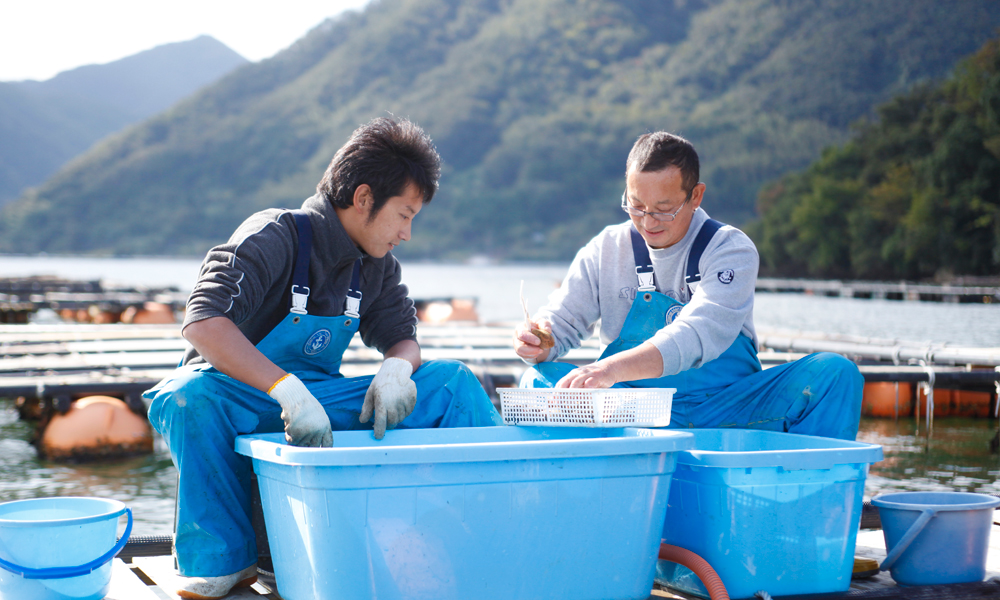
545	338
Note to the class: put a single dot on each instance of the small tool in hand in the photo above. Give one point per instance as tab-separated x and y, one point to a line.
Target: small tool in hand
545	338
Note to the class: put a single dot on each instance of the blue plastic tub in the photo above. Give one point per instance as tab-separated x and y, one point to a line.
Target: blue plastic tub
59	548
769	511
487	512
936	537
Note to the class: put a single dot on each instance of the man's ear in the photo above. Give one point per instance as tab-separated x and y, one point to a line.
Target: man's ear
697	193
363	198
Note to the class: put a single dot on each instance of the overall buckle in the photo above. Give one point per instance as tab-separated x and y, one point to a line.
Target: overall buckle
352	306
299	300
645	279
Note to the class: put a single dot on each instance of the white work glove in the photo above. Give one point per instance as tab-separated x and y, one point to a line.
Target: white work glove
306	423
391	396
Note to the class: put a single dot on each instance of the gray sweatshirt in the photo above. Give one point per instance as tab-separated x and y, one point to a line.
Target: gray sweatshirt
249	278
601	285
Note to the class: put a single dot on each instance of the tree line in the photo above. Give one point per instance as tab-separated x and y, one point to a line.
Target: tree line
914	195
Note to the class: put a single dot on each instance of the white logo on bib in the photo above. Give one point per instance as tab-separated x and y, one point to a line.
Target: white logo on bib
317	342
672	313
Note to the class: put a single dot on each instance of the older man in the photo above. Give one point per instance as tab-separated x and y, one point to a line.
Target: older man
674	291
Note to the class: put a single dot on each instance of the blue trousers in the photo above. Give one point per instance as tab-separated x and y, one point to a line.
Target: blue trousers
200	411
819	394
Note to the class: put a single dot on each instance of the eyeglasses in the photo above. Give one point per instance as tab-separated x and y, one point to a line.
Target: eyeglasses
659	216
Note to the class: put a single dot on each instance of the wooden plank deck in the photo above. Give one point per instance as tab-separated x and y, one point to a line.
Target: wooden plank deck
126	585
154	577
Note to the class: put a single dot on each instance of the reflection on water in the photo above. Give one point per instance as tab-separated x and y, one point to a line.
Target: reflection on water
957	457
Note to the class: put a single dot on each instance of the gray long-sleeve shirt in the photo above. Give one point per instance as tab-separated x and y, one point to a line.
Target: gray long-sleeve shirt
601	284
249	278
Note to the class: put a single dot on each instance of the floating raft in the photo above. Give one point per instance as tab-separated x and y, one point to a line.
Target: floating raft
80	359
889	351
22	296
884	290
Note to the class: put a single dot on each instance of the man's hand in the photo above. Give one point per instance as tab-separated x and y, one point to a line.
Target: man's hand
595	375
642	362
306	423
532	341
391	396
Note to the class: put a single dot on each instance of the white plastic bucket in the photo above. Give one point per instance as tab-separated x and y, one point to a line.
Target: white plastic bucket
59	548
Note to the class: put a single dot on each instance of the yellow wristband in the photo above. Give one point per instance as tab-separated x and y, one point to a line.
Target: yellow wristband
271	389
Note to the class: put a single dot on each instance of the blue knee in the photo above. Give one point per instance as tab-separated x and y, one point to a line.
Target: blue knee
173	400
838	384
446	372
445	365
842	373
450	395
198	400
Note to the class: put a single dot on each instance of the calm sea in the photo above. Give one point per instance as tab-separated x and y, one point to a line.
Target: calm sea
956	458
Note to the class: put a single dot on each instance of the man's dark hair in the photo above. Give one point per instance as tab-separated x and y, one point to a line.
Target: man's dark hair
387	155
656	151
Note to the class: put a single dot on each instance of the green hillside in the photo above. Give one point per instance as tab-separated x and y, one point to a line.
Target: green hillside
533	105
43	124
915	195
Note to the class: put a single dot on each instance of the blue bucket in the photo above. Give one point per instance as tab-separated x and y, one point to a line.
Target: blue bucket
58	548
936	537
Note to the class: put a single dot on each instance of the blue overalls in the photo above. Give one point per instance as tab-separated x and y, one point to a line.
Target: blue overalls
819	394
200	411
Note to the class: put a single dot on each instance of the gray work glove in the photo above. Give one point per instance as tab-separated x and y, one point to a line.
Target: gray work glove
306	423
391	396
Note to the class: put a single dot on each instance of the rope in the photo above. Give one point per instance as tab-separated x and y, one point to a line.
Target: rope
929	391
996	409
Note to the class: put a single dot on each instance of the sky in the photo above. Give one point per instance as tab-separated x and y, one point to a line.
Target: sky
41	38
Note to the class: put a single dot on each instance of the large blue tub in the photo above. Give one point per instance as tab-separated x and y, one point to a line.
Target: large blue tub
769	511
486	513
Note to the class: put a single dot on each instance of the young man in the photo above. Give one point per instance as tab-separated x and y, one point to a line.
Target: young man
674	291
269	319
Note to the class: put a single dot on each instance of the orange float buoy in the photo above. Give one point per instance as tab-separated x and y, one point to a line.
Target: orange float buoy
957	403
463	310
96	427
447	309
879	399
151	313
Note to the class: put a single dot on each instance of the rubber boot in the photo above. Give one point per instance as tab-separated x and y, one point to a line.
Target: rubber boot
213	588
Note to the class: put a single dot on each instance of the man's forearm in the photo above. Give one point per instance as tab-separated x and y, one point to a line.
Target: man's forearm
642	362
223	345
408	350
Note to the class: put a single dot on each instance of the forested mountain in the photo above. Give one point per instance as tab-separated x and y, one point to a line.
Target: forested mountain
533	105
43	124
915	195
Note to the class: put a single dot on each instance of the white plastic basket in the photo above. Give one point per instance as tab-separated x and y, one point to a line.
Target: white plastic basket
615	407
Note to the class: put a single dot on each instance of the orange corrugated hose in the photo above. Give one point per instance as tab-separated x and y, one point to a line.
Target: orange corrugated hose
701	568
